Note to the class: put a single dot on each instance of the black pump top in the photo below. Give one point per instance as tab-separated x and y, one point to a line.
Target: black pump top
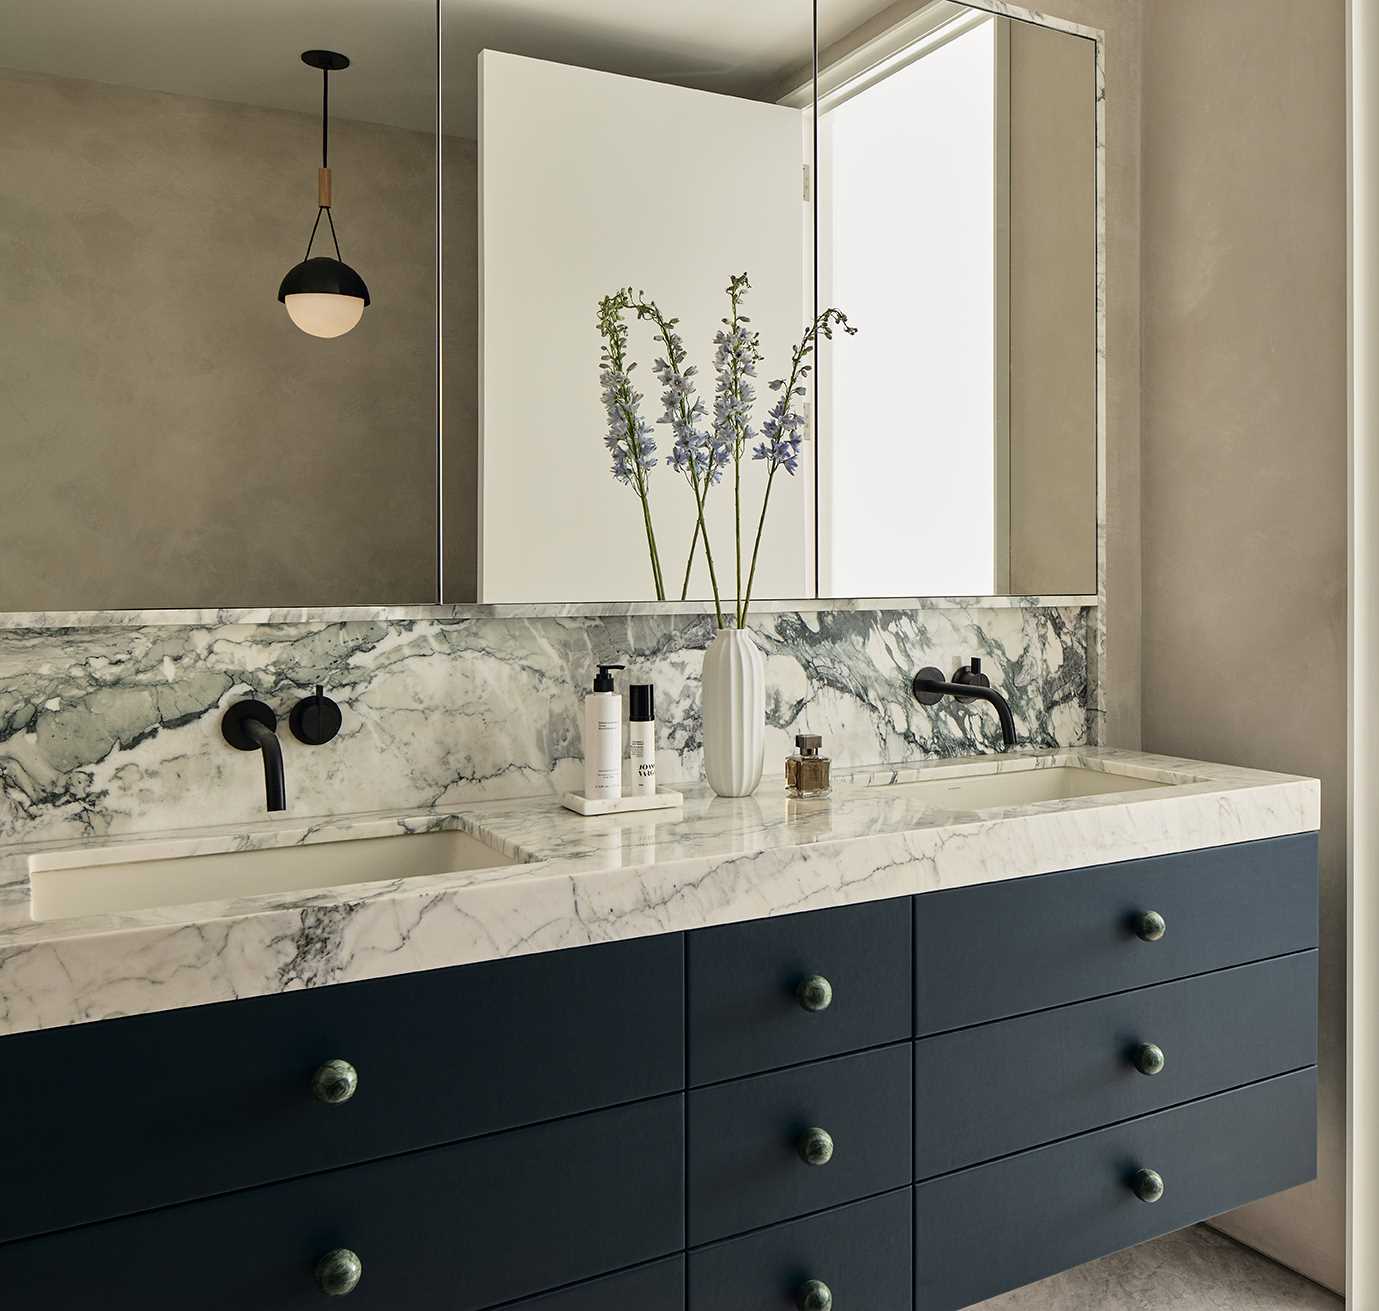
641	703
604	681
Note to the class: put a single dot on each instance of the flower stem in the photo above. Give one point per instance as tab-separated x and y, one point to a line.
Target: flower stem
689	564
761	523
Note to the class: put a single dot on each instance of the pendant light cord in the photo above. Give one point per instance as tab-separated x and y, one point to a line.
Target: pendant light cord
325	163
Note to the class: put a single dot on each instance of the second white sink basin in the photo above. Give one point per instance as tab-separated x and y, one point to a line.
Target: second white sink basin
112	882
1018	787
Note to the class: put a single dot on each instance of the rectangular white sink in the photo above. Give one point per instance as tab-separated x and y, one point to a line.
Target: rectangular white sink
112	881
1018	787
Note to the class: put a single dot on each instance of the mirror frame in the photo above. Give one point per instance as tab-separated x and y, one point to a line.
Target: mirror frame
131	618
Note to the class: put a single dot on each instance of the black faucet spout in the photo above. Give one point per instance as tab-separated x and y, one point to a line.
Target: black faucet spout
274	782
252	726
968	684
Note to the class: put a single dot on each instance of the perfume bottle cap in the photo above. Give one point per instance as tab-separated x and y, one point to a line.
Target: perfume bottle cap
808	743
641	703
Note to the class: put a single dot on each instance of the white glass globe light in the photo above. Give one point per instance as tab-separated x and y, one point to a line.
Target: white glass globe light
324	314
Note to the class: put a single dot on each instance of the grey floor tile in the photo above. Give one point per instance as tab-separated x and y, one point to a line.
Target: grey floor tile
1194	1270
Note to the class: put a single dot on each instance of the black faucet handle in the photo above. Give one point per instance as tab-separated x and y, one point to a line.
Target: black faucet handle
971	675
315	719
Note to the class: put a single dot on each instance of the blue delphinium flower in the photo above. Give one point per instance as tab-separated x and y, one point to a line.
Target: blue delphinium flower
629	437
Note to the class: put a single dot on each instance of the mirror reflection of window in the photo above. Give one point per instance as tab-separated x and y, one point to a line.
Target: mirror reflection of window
910	430
957	204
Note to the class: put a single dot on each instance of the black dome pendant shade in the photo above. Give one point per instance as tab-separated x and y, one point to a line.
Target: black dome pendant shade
323	276
320	277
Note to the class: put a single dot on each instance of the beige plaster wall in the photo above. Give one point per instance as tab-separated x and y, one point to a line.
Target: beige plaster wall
1244	455
1052	323
167	437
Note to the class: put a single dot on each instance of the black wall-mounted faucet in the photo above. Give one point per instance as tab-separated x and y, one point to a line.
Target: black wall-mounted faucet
252	726
967	684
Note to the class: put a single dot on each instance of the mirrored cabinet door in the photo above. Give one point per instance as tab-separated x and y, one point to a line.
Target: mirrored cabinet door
634	184
181	428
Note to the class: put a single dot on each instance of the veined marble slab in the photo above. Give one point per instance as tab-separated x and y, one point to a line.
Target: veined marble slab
601	879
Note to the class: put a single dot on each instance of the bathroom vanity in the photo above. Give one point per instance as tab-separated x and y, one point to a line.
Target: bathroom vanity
934	1038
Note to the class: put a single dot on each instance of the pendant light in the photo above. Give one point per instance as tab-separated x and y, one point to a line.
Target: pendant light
324	297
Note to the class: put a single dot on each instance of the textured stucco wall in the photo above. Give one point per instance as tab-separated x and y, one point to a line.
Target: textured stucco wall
169	438
1244	455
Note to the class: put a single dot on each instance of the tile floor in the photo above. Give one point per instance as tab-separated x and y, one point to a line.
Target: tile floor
1193	1270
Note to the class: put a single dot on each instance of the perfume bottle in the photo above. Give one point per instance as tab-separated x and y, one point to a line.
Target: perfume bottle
806	772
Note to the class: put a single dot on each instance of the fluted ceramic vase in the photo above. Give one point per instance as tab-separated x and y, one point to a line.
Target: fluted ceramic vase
734	713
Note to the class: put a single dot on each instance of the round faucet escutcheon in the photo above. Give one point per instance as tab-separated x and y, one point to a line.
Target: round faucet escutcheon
234	723
315	719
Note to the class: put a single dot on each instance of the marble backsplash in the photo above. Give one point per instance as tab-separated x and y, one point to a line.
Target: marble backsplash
116	730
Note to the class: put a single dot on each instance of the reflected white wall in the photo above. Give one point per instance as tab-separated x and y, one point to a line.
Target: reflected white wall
907	426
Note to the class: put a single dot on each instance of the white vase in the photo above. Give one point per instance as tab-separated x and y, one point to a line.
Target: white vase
734	713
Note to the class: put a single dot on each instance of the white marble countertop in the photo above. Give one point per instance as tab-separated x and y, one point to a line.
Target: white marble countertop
583	880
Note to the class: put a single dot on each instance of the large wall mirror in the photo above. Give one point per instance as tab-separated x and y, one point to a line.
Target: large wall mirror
578	241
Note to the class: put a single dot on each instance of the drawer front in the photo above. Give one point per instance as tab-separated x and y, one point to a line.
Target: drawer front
995	1227
190	1103
861	1252
460	1227
999	1088
1001	949
658	1287
748	1141
746	1013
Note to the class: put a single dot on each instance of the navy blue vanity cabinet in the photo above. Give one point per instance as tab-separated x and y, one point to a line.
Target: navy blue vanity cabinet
860	1254
779	1145
461	1227
905	1105
128	1114
781	991
997	1088
994	1227
656	1287
999	949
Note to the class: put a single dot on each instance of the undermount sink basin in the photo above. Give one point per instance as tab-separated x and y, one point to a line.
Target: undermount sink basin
1018	787
110	883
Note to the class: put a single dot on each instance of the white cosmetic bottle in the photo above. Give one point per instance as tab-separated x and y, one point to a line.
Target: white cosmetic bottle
641	740
603	739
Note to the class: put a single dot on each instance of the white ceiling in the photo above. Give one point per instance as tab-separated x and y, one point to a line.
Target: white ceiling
248	50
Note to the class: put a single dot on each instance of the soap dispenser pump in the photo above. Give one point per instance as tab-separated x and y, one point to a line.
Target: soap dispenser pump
603	738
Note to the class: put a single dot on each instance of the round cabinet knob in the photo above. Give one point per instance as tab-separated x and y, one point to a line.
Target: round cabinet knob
1149	1058
816	1146
815	1296
815	993
338	1272
1148	1185
1149	926
335	1082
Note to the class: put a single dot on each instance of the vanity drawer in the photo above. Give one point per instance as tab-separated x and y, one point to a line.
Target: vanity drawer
746	1011
459	1227
123	1115
658	1287
998	1088
861	1252
1000	949
995	1227
748	1140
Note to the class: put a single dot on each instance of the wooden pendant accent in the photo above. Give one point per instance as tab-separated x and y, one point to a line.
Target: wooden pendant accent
323	187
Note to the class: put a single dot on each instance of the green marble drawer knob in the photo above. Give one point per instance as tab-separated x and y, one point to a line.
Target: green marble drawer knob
338	1272
816	1146
335	1082
815	993
1148	1185
1149	926
1149	1058
815	1296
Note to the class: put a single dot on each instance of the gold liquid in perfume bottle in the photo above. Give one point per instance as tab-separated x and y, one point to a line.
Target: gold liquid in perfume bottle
806	772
